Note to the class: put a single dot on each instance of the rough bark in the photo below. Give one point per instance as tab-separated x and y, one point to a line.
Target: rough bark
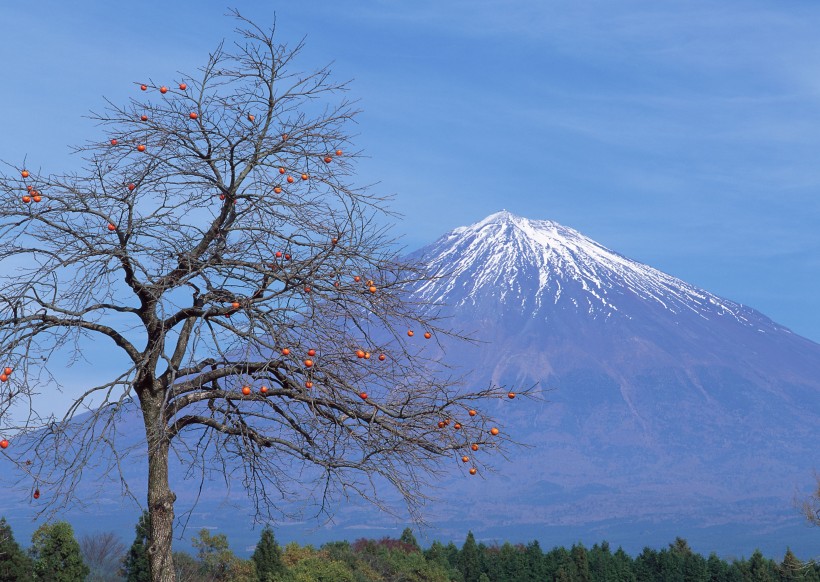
160	497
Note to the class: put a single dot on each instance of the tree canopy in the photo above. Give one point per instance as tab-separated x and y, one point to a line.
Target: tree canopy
216	238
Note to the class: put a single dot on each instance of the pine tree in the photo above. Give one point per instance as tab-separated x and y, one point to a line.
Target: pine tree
600	562
623	566
439	555
436	553
469	560
408	538
717	569
760	568
267	556
559	563
452	553
136	567
57	556
15	566
535	561
647	567
790	568
579	556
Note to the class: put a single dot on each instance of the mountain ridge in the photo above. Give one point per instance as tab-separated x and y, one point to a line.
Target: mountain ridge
566	254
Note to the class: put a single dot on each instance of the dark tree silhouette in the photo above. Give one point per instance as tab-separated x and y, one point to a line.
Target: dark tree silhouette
216	238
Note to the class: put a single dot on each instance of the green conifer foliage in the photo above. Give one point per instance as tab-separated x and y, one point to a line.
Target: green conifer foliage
791	568
268	556
579	556
15	566
623	566
56	554
136	567
408	538
469	560
760	569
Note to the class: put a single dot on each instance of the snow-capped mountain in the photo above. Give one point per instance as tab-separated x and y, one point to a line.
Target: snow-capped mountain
537	266
666	404
522	279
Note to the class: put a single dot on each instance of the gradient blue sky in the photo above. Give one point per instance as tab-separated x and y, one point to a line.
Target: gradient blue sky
684	134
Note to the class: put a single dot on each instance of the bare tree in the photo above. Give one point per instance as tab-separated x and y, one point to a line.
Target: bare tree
811	505
216	238
103	553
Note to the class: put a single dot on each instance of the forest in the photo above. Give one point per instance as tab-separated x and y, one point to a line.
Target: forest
55	554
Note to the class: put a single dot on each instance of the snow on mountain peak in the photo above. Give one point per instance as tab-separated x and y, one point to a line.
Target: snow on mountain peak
537	266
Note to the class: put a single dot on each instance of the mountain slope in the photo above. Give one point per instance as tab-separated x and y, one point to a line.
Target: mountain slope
666	402
515	275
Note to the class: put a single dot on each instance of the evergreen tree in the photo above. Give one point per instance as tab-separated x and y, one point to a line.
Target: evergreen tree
680	546
408	538
469	559
737	572
535	561
438	556
687	565
437	553
670	565
717	569
790	568
56	554
601	566
267	556
695	568
760	570
811	572
559	563
491	562
452	553
15	566
623	566
579	556
647	567
520	565
136	567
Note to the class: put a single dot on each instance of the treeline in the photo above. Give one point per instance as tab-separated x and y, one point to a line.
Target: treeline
56	555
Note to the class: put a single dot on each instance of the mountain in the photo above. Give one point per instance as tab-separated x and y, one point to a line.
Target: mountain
666	404
664	410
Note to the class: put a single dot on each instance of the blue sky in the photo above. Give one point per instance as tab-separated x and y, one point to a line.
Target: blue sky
682	134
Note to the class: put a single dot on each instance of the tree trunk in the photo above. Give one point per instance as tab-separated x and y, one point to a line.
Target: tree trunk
160	497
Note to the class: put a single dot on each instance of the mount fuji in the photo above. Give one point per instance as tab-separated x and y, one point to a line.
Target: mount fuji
665	410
